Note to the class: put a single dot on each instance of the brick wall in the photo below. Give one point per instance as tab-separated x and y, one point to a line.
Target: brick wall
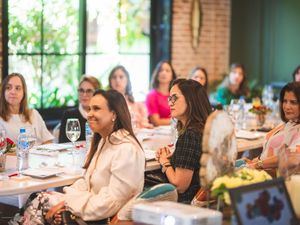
213	50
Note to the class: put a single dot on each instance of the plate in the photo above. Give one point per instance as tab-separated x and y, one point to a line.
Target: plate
250	135
42	173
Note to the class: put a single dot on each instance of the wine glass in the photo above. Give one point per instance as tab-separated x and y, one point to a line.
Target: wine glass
31	135
73	133
3	143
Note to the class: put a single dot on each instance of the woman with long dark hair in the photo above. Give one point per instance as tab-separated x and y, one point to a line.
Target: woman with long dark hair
157	99
190	106
114	168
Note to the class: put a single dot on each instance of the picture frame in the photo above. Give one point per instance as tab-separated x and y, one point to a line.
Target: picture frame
263	203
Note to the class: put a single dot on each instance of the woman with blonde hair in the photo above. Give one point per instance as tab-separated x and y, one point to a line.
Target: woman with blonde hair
87	87
15	113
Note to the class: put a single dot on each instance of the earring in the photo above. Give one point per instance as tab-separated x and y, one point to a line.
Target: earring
113	120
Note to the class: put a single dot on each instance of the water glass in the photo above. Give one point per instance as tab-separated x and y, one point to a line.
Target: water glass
3	142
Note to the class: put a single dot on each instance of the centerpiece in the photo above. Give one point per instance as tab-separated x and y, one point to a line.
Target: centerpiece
260	111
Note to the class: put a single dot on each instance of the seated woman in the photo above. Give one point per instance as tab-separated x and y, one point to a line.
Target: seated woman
190	106
114	168
286	135
14	111
157	99
296	74
119	80
87	87
199	74
233	86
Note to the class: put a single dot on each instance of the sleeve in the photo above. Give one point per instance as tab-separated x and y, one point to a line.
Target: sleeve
126	180
42	133
62	138
221	96
188	151
151	104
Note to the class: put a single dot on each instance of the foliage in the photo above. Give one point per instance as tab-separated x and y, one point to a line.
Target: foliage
241	177
10	145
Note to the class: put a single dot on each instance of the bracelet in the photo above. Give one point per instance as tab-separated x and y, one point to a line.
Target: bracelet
260	164
165	163
165	167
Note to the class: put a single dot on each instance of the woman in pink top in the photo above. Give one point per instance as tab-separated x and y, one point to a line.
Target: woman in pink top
157	100
285	135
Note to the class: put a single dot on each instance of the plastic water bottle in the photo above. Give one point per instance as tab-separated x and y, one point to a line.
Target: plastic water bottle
22	150
88	135
241	119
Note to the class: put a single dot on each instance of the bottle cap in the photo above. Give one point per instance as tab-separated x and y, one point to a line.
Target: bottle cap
22	130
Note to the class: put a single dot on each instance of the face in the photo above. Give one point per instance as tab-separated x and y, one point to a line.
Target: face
165	74
290	106
100	118
199	76
177	104
85	92
297	76
236	76
14	91
119	81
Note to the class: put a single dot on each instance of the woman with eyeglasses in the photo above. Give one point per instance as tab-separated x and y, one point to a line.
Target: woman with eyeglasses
119	80
157	99
15	114
87	87
190	106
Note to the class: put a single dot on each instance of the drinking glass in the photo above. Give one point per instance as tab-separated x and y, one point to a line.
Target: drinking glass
73	133
3	143
73	130
31	135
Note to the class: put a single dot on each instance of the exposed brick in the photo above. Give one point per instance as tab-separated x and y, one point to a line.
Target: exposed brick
213	49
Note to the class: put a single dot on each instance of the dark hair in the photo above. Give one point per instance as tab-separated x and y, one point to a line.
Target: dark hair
128	89
92	80
4	109
243	89
295	72
155	82
290	87
116	103
198	106
205	74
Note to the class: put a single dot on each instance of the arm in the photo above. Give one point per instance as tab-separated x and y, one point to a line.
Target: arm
270	162
187	156
42	131
157	121
125	174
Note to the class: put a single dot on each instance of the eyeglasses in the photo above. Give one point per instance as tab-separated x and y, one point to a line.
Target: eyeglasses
173	98
81	91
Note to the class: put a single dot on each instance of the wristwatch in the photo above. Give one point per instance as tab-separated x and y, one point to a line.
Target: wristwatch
259	164
165	167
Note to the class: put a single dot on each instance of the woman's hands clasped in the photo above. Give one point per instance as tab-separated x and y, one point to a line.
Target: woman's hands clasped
163	155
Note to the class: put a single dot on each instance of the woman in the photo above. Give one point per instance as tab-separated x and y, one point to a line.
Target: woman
119	80
234	86
115	167
182	167
87	87
157	99
199	74
296	74
286	135
14	111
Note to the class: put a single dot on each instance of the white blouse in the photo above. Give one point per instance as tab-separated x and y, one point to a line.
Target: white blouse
15	122
115	174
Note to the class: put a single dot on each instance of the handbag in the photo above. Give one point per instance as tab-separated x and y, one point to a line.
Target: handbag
155	177
70	219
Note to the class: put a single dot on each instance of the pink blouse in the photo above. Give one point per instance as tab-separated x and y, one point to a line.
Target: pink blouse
283	135
157	103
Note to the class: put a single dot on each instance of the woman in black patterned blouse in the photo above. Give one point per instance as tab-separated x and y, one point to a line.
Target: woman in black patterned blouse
190	106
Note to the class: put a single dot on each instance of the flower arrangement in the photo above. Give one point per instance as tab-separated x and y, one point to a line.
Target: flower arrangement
241	177
10	145
260	110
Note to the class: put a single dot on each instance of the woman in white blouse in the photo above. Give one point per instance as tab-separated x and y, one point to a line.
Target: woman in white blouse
114	168
14	111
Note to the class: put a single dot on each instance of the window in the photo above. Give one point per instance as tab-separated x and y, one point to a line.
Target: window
52	43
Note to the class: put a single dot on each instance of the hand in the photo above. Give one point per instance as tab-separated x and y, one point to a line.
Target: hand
164	155
53	211
57	216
